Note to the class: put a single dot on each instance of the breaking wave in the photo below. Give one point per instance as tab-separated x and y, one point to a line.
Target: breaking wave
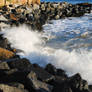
38	51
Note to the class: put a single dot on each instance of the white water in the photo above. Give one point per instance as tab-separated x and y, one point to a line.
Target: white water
37	51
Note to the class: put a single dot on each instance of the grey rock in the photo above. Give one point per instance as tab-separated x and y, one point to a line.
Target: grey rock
38	85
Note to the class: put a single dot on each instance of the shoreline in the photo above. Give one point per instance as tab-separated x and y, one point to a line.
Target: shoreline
19	74
37	15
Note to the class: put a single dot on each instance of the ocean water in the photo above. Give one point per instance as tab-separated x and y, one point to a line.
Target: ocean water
70	1
67	44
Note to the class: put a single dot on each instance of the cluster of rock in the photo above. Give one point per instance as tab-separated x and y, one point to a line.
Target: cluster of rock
38	15
19	75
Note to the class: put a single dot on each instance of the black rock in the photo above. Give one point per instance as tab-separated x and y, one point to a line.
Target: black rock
78	84
4	8
20	64
51	69
41	73
61	73
37	85
13	11
4	42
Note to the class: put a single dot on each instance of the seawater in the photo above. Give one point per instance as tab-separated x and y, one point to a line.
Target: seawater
69	1
68	44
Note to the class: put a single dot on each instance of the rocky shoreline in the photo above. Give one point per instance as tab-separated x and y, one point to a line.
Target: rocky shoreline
20	75
37	15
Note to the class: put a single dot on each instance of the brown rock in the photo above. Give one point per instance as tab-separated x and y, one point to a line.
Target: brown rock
13	17
6	88
5	54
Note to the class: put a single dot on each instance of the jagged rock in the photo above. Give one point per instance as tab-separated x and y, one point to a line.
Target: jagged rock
4	8
4	42
41	73
6	88
61	73
90	87
38	85
16	84
20	64
4	65
77	83
13	17
2	18
51	69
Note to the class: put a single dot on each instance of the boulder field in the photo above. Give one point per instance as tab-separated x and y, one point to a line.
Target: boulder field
37	15
19	74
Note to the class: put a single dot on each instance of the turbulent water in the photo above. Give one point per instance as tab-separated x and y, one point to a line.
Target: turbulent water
68	44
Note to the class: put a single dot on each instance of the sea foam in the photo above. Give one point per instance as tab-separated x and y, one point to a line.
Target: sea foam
33	48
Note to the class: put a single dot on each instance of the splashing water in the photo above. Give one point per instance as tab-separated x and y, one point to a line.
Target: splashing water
33	47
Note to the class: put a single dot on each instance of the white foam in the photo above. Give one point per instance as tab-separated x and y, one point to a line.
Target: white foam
32	46
23	38
71	25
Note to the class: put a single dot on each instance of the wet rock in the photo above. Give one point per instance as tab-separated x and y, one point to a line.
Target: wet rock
37	85
20	64
61	73
90	87
60	85
17	85
51	69
13	17
4	42
6	88
78	84
37	15
4	8
41	73
4	65
2	18
13	11
5	54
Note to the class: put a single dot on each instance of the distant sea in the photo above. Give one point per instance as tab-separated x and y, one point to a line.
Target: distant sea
70	1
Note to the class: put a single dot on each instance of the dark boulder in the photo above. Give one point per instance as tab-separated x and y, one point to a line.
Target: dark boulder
37	85
41	73
4	65
4	42
4	8
61	73
20	64
78	84
51	69
7	88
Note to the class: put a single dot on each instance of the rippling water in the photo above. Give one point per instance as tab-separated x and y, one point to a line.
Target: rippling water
70	33
68	44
